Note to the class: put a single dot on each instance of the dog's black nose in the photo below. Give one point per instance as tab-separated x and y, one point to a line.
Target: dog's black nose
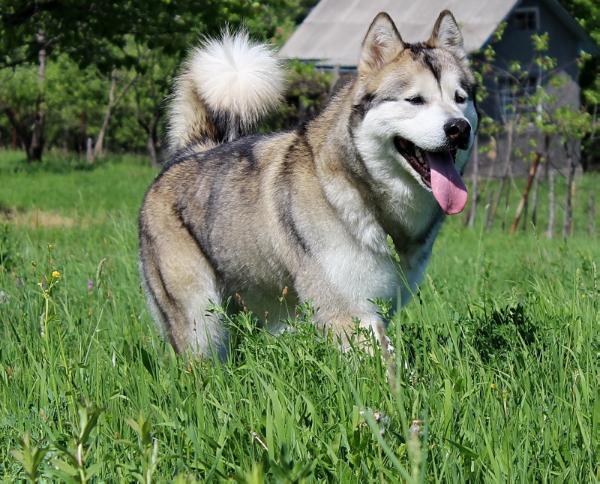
458	130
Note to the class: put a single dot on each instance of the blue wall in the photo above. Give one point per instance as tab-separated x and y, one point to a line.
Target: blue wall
517	45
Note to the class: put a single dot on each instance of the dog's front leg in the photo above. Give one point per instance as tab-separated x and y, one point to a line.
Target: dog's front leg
345	325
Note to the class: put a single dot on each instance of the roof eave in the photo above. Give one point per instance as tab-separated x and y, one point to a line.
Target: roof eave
586	43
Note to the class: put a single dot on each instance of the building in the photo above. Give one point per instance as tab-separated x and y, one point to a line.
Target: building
332	33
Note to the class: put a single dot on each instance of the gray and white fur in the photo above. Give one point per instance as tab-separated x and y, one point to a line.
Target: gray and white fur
305	214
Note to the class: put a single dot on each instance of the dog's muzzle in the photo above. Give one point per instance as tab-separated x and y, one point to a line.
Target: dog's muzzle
458	132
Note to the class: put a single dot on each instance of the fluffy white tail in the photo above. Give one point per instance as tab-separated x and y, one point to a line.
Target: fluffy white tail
226	86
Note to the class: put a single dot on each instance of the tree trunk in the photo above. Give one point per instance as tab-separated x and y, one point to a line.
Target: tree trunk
547	141
81	140
507	192
525	196
534	198
568	222
113	101
36	147
99	145
525	213
551	204
592	215
151	130
474	187
505	175
21	129
155	139
89	151
493	156
152	151
14	144
536	181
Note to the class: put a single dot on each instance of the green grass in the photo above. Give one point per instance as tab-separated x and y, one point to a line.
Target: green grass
497	360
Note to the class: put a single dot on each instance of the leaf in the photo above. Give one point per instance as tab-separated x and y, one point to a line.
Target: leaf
465	451
68	469
30	457
88	418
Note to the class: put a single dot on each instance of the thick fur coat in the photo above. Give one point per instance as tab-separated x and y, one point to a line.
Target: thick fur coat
307	213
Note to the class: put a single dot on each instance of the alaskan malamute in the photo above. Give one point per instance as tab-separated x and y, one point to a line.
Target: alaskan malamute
305	214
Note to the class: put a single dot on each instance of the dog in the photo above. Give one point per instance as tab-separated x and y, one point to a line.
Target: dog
305	215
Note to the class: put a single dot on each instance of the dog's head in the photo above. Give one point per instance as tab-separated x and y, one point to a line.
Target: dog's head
413	108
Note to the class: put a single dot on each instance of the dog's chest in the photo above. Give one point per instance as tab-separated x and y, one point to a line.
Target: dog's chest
360	274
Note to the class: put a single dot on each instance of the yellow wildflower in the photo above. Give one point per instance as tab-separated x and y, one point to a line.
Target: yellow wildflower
55	274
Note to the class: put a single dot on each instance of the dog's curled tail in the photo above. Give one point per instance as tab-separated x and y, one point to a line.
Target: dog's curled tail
225	87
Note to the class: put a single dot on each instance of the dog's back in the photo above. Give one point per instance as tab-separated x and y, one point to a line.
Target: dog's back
223	90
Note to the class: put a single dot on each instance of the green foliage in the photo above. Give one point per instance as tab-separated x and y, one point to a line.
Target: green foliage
19	88
503	331
273	20
75	99
30	457
8	250
97	33
587	13
19	91
148	447
307	93
71	464
536	111
88	42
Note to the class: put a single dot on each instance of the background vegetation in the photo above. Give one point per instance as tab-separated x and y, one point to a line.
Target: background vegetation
90	76
87	76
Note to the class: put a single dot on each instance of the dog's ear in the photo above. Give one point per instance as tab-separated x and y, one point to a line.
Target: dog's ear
381	45
446	35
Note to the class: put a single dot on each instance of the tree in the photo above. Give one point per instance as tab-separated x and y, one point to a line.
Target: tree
92	32
537	114
21	95
587	13
156	75
74	103
110	37
488	128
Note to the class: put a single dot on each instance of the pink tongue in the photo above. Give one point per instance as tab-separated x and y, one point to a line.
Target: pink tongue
446	184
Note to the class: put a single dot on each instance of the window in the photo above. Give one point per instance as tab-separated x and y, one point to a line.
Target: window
527	19
512	94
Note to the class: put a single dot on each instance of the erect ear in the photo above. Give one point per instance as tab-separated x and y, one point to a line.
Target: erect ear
381	45
446	35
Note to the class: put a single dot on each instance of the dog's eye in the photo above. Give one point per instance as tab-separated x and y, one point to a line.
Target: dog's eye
459	99
416	100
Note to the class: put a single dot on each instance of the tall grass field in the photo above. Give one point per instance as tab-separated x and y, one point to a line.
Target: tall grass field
496	375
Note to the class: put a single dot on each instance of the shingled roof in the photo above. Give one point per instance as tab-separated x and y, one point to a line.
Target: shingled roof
333	31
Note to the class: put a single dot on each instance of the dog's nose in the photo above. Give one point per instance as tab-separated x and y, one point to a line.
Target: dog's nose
458	130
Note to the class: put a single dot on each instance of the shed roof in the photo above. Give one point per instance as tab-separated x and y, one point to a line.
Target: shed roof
333	31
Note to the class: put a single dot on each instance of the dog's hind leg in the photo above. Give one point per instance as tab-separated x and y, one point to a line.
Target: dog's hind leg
182	287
